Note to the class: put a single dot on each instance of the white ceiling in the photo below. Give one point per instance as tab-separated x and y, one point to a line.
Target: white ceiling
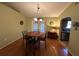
47	9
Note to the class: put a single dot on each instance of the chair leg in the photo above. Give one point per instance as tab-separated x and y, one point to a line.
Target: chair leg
39	43
23	43
45	44
26	43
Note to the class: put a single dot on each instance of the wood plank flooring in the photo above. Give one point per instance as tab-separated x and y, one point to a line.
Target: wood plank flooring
65	43
53	48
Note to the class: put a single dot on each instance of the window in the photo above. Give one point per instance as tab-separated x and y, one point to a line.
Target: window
38	25
42	27
35	26
69	24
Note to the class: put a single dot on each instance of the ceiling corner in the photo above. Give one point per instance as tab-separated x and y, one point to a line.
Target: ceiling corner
64	9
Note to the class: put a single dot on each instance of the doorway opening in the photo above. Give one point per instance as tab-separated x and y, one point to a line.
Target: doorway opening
65	28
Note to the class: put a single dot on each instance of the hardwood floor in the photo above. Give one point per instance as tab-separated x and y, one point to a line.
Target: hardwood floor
53	48
65	43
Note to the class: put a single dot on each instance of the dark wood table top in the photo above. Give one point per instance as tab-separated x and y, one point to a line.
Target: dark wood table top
35	34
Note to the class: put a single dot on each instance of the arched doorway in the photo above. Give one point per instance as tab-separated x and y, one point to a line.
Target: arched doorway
65	28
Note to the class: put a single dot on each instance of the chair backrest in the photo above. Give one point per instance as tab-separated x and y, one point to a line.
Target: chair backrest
24	33
44	36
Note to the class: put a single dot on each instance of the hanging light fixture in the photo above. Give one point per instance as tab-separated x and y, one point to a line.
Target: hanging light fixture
37	18
38	8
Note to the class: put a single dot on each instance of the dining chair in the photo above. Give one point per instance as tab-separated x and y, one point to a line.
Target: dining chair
24	33
27	40
25	36
43	38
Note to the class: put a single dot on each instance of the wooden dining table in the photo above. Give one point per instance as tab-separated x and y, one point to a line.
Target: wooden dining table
35	34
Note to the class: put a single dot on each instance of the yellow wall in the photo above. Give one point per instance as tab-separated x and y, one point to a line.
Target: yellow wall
73	12
55	21
29	21
10	28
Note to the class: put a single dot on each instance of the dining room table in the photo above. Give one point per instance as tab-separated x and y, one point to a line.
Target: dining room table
35	36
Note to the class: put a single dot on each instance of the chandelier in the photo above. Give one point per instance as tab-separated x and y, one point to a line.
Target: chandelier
37	18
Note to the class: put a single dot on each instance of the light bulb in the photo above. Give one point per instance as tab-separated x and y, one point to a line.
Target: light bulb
35	19
40	19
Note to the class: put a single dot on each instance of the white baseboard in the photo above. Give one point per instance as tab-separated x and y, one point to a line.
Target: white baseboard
70	52
8	44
